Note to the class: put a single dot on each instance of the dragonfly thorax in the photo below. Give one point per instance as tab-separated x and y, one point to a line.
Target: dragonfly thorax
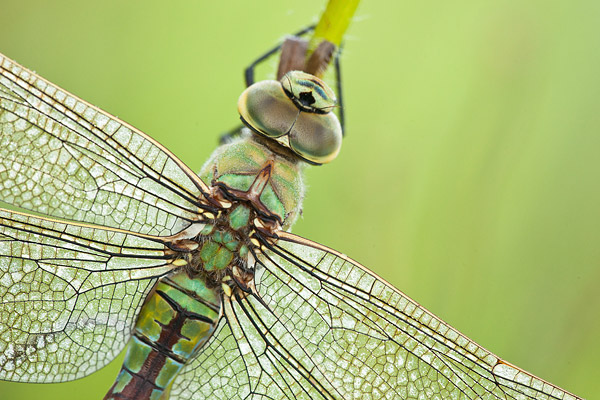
296	113
255	191
253	172
218	247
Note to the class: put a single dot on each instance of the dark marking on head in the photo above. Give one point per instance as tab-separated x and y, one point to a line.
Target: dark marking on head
306	98
313	85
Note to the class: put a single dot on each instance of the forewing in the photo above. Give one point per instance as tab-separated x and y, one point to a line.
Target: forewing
321	326
69	295
65	158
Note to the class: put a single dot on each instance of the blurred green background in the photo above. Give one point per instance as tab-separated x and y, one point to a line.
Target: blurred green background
469	174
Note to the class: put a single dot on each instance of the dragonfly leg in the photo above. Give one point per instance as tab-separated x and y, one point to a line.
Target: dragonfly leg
294	47
338	78
230	135
293	51
249	71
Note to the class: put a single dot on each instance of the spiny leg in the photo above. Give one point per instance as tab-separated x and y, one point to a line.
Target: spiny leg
340	97
293	49
293	53
249	71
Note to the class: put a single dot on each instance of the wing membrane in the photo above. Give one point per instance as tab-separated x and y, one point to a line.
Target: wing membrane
321	326
246	360
63	157
69	295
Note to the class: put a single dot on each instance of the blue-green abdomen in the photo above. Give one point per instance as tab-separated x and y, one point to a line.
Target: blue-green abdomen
178	317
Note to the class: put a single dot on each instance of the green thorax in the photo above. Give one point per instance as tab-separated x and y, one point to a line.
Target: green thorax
222	244
237	166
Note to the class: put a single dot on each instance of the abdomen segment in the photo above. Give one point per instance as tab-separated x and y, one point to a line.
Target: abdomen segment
177	319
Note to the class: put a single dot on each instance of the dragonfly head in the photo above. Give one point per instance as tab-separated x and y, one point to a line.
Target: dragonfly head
296	112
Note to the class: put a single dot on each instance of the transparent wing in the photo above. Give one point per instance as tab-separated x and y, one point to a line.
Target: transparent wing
321	326
63	157
69	295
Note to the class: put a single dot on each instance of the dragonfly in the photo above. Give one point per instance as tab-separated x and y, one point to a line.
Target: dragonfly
114	241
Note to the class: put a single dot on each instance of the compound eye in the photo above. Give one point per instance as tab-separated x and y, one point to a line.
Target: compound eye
308	92
295	112
316	137
266	108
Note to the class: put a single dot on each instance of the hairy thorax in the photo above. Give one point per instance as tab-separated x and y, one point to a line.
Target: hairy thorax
236	167
256	190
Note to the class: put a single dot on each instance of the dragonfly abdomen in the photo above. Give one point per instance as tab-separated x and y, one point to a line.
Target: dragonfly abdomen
178	317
